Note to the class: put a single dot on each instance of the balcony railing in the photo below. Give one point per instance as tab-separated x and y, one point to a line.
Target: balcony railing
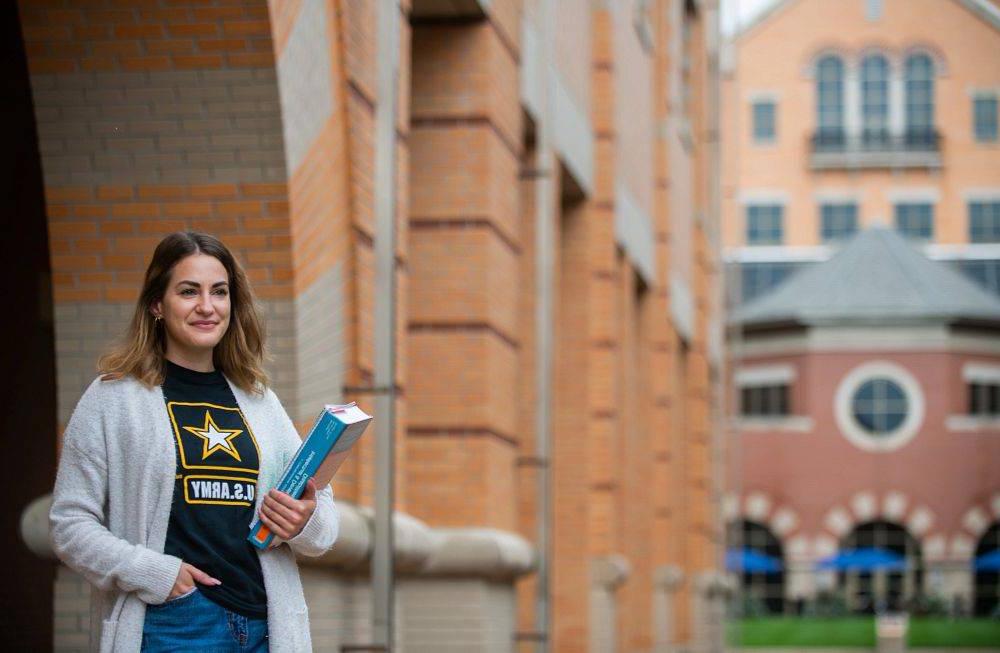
914	148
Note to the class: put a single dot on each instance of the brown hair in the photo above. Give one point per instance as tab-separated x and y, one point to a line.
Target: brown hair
239	354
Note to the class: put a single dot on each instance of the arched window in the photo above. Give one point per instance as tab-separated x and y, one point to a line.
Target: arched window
875	100
987	578
762	588
830	101
919	76
869	589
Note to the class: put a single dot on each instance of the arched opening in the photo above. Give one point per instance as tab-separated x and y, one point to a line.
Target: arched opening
27	367
878	586
986	568
762	585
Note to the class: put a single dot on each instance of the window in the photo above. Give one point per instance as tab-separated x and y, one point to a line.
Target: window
764	400
985	272
830	100
897	587
984	117
764	224
759	278
879	406
984	221
875	100
987	581
873	9
838	221
919	100
915	220
984	399
763	591
764	121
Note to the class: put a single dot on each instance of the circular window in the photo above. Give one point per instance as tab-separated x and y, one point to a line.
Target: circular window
879	406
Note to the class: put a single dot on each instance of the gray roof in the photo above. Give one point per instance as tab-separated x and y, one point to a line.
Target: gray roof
876	277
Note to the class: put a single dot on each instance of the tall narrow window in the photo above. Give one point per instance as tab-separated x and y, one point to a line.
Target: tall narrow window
984	117
763	121
838	221
830	102
873	9
875	100
764	224
919	100
984	222
915	220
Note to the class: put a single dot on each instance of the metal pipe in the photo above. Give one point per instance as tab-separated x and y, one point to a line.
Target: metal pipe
544	274
385	322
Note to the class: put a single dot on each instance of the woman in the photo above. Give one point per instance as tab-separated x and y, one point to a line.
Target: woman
167	458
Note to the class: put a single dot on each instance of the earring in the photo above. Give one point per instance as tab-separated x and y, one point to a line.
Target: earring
157	319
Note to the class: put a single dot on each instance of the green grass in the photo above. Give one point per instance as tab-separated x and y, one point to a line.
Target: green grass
942	632
803	631
859	632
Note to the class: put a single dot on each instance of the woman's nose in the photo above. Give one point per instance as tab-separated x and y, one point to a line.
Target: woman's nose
204	304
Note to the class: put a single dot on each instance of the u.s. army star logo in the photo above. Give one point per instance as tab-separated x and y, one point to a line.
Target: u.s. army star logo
215	439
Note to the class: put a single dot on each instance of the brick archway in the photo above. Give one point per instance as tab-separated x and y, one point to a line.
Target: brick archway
868	505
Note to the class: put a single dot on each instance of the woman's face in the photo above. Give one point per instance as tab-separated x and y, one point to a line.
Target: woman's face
195	306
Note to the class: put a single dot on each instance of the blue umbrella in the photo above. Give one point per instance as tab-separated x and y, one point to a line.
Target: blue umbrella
863	560
749	561
988	561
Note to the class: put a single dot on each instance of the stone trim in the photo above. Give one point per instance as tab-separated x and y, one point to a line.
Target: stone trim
420	550
669	577
609	572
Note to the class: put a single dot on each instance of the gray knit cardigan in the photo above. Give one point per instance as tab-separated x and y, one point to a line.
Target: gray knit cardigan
111	506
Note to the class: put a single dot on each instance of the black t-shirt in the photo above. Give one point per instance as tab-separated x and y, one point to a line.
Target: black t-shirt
218	462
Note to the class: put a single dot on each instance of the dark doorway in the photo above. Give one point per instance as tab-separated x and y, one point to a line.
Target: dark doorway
762	592
27	367
868	592
987	581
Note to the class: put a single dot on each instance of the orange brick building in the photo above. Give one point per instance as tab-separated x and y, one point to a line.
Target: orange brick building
556	284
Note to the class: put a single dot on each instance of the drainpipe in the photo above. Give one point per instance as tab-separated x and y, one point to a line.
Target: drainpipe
385	321
544	270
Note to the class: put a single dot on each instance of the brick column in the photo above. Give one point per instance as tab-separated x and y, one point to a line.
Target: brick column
465	247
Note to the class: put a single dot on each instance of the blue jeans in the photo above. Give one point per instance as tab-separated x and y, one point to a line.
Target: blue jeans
193	623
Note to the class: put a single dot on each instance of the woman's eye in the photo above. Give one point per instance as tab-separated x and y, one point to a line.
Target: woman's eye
221	292
187	292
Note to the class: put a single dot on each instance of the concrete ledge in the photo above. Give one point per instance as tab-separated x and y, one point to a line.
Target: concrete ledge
35	527
610	571
419	549
480	552
715	584
669	577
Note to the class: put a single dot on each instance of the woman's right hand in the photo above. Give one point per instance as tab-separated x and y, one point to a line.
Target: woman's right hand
186	579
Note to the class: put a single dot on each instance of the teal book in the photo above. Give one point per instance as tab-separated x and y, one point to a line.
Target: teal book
319	457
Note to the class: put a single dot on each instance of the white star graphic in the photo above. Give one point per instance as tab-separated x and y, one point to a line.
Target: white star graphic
215	439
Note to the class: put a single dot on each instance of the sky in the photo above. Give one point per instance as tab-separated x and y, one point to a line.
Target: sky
741	10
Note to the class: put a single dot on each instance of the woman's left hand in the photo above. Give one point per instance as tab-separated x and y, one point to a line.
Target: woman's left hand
286	516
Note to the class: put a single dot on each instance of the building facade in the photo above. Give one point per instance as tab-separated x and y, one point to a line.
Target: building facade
552	289
845	119
868	419
848	114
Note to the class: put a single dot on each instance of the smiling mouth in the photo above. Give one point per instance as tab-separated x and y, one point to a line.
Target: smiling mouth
203	325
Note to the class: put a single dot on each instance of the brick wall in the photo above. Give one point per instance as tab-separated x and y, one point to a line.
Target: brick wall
256	123
153	118
464	248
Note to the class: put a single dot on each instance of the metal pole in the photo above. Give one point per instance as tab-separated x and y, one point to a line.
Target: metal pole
385	322
544	270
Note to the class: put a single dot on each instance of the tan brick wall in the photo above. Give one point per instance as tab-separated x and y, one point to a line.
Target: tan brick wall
464	247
